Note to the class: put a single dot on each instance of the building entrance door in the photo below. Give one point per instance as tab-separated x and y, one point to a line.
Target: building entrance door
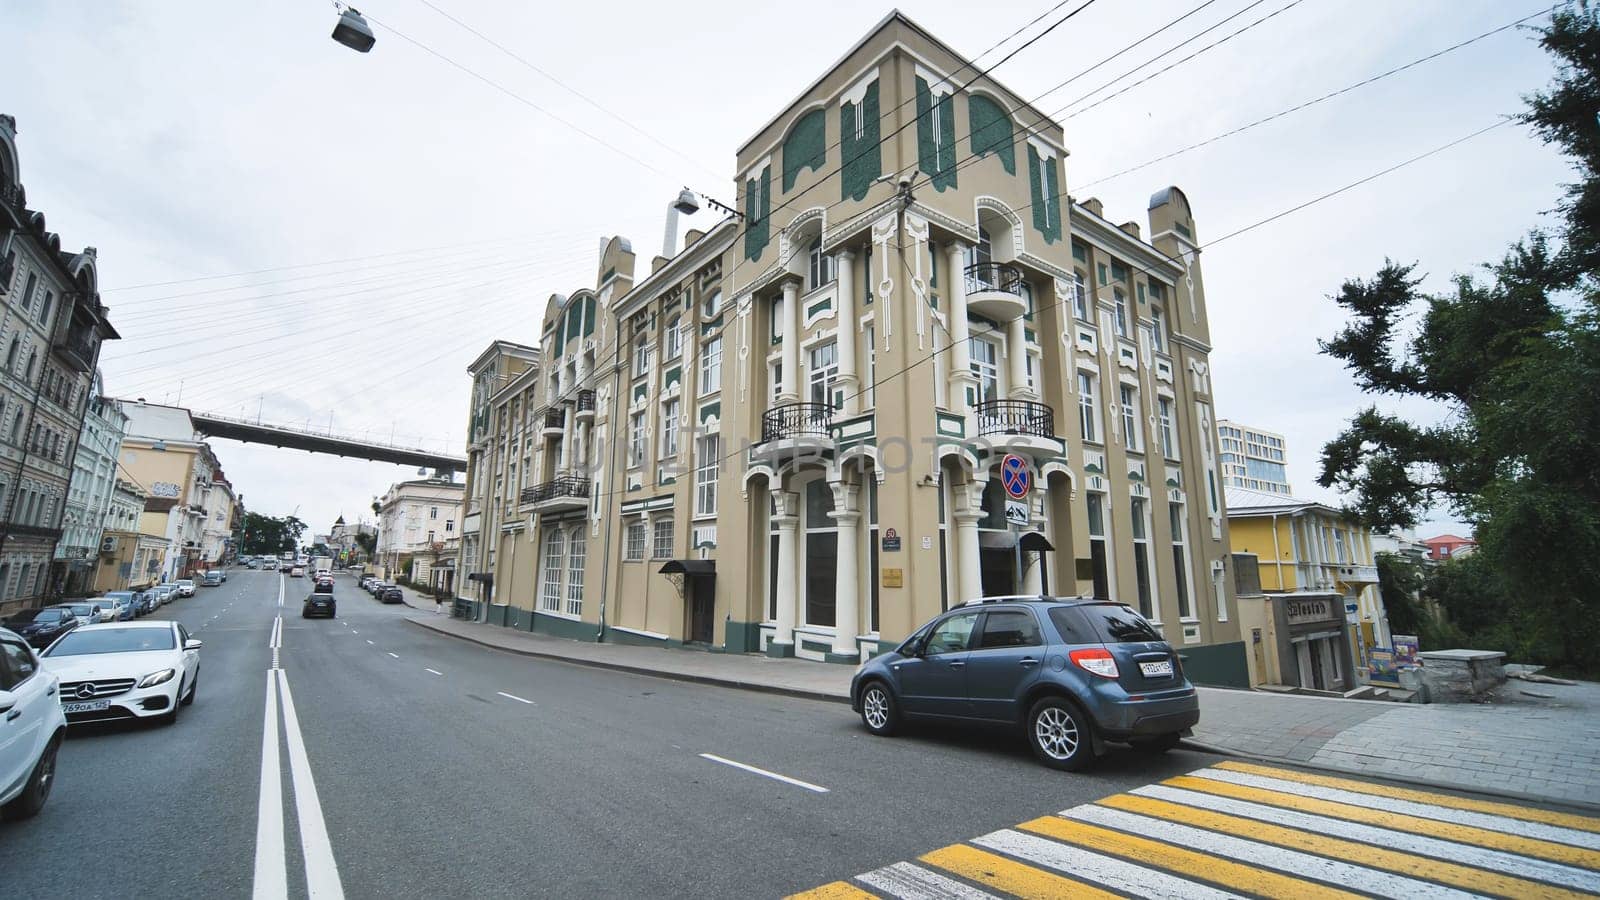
999	571
702	605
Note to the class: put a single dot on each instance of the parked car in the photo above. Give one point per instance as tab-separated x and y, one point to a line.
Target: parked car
143	603
212	578
392	594
129	670
41	626
185	587
160	596
252	564
88	613
297	572
121	603
223	573
31	728
1073	673
320	601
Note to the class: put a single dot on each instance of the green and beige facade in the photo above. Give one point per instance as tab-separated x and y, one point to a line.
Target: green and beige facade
788	437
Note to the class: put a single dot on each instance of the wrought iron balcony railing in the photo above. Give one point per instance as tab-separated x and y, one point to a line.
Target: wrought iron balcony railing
556	488
991	276
797	420
1023	417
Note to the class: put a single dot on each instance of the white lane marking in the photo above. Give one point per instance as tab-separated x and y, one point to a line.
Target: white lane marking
1539	830
1435	848
353	631
280	590
1136	881
395	655
322	873
516	698
1292	862
434	671
763	772
369	640
914	883
272	875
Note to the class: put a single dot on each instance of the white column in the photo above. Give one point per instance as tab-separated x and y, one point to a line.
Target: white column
565	459
790	391
961	376
1017	358
969	566
788	574
846	593
846	290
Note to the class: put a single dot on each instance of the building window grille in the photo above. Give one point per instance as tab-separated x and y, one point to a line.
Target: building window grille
661	543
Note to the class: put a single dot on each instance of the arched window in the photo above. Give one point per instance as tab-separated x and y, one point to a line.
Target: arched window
673	339
820	270
713	303
641	356
554	557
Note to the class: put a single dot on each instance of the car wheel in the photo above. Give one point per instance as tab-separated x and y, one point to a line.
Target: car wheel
1059	735
28	803
194	686
878	710
1158	744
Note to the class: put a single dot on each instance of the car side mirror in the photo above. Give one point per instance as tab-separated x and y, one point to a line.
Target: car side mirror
192	644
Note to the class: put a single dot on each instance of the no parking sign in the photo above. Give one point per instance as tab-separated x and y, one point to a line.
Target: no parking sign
1014	475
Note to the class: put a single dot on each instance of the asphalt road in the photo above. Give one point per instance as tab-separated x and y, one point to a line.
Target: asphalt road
445	769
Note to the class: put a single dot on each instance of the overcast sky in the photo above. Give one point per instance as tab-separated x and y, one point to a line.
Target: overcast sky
187	141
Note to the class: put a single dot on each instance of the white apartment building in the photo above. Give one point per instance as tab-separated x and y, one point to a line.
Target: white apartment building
1252	458
415	520
94	482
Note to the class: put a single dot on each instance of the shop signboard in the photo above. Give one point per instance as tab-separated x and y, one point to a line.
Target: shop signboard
1306	610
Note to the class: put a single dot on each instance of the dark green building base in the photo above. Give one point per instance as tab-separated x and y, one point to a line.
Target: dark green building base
780	651
1222	665
742	637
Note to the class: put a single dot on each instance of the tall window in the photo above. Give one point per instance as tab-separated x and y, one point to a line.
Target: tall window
635	540
641	356
711	366
713	304
1338	545
555	546
1158	329
1169	444
673	339
1097	546
708	466
669	428
27	292
1141	555
576	551
1086	408
986	365
433	512
1130	415
819	270
11	355
1080	296
637	439
1120	304
824	374
1180	560
661	543
44	308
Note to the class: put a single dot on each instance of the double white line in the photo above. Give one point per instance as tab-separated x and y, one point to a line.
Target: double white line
272	868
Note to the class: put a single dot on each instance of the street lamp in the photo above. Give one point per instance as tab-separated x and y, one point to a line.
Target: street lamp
353	31
687	205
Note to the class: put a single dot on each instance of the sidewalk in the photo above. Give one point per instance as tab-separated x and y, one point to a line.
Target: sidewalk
1541	748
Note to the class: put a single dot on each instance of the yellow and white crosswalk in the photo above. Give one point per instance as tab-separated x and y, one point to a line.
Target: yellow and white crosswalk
1240	829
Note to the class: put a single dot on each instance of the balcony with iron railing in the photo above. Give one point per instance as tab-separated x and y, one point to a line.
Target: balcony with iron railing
996	291
584	404
555	420
1015	417
795	428
77	347
561	492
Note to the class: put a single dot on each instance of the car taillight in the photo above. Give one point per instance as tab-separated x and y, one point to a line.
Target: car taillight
1095	661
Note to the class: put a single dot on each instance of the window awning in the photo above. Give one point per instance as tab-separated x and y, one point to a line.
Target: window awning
1037	542
1031	541
689	567
485	577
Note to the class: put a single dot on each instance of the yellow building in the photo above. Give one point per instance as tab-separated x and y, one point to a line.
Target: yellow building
1304	548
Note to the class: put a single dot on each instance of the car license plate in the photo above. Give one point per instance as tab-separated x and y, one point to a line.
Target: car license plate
1161	669
86	706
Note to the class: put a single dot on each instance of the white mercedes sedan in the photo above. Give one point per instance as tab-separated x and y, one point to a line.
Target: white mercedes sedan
125	670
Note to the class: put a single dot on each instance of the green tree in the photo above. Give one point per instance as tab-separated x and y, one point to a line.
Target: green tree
1399	583
1512	358
263	534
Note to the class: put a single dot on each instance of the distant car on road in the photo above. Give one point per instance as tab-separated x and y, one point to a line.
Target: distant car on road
127	670
161	595
31	728
297	572
87	613
121	609
1073	673
185	587
320	601
392	594
252	564
211	579
41	626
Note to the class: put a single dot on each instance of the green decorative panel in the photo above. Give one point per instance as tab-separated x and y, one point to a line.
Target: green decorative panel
859	149
672	376
559	340
992	131
563	628
609	272
806	147
711	327
819	307
574	321
640	391
1219	664
1044	181
588	316
709	412
1029	336
815	646
757	206
1182	229
936	157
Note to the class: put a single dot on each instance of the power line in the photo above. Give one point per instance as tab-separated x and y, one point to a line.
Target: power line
1118	53
1312	102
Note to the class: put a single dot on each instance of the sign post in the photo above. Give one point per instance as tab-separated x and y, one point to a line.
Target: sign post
1017	480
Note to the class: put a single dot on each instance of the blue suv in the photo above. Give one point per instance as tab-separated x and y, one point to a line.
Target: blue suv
1073	673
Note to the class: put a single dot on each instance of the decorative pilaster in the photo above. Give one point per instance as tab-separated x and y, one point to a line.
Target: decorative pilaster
969	565
961	377
846	592
1017	358
790	391
788	522
845	288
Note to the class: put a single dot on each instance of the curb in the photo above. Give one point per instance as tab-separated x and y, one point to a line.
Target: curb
736	684
1430	783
